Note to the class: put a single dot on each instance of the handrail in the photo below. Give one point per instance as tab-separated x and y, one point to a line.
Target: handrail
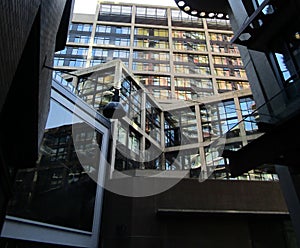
219	143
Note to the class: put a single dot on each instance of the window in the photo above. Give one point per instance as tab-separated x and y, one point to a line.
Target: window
115	13
184	45
153	121
75	62
98	52
196	84
145	66
78	50
59	61
102	40
122	42
151	15
62	180
81	27
77	38
155	80
218	119
121	54
225	85
103	29
183	34
180	127
180	18
114	9
147	55
131	98
218	24
247	105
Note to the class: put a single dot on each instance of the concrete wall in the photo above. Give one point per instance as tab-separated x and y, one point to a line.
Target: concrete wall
192	214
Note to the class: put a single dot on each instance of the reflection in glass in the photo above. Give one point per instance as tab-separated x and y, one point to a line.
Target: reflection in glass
59	189
282	65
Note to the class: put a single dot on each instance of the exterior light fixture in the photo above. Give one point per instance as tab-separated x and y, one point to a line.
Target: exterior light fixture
205	8
114	109
181	3
187	8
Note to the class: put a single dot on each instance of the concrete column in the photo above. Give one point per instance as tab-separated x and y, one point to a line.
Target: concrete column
240	118
210	58
291	197
171	49
132	36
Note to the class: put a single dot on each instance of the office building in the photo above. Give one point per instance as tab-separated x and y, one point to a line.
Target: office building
145	202
176	57
182	91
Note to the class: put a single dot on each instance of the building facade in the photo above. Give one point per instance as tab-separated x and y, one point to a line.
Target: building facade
57	202
268	35
181	60
175	55
186	98
33	31
129	188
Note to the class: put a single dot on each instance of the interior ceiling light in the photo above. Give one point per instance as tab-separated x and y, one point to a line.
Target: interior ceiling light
297	35
181	3
202	14
211	14
194	12
220	15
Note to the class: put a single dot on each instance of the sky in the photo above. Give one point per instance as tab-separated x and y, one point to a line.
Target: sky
89	6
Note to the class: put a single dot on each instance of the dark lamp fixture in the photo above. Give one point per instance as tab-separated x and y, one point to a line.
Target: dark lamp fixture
205	8
114	109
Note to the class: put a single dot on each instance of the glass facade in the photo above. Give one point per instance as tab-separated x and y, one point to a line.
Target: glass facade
60	193
180	58
177	46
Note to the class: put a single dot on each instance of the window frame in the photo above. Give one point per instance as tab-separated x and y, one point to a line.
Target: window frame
20	228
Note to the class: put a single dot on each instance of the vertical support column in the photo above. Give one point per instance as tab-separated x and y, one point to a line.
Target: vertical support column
171	51
162	130
91	43
162	141
203	161
291	197
133	14
210	58
199	123
200	140
240	118
75	83
114	134
118	75
143	124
